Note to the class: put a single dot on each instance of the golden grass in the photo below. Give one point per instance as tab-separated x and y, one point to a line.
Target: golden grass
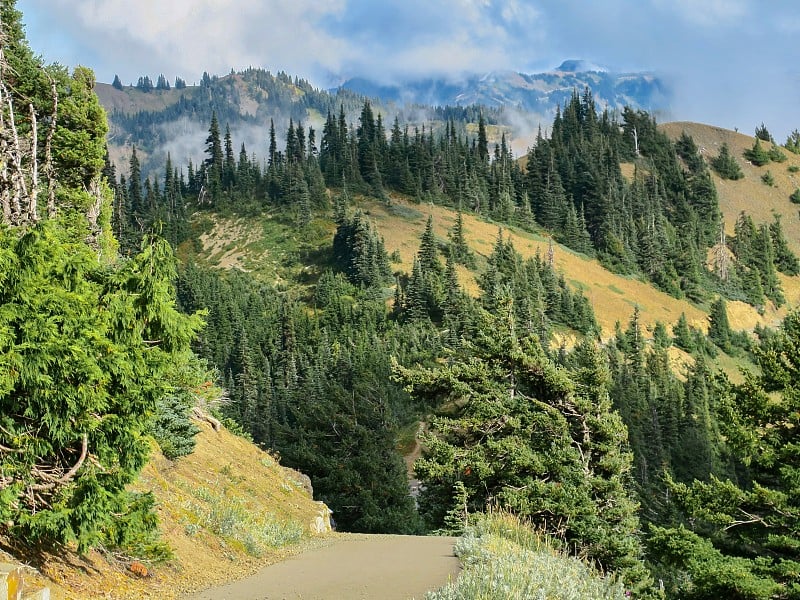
613	296
750	194
231	470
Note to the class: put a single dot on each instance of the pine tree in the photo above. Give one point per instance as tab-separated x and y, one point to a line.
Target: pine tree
741	538
428	250
725	164
458	244
682	335
524	437
785	260
757	155
214	161
719	329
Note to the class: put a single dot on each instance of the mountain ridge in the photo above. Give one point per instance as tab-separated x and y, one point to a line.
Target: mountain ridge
540	92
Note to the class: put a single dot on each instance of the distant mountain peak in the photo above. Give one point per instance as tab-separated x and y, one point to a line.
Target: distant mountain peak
580	66
536	93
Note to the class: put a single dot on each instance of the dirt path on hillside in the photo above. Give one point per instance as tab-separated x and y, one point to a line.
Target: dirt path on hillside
352	567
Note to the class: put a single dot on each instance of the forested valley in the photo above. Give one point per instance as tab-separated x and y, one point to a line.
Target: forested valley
327	374
681	481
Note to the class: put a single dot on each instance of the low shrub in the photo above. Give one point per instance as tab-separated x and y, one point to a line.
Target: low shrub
503	557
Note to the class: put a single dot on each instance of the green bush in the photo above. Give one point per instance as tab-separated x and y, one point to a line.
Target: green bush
793	168
768	179
795	197
172	428
775	155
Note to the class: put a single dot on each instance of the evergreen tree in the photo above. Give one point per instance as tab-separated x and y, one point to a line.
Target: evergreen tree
458	244
428	250
725	164
740	538
757	155
526	437
682	335
785	260
762	133
117	84
719	330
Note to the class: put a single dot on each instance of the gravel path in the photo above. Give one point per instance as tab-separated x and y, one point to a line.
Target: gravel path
353	567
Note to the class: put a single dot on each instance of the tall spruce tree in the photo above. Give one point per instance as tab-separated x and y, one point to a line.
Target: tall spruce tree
520	433
740	538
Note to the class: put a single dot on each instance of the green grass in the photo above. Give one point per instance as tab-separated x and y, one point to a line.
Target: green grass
406	212
615	289
231	519
407	438
504	558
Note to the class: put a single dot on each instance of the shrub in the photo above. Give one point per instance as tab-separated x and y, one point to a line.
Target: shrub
793	142
775	155
504	557
795	197
232	520
768	179
172	428
793	168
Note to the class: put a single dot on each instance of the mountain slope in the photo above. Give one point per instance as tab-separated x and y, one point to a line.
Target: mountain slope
402	222
749	194
225	510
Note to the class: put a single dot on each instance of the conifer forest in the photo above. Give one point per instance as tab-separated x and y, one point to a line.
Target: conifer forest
681	481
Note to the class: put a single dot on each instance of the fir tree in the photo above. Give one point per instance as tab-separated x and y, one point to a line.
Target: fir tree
725	164
719	329
526	438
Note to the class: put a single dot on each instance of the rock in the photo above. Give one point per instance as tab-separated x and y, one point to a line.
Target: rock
10	582
322	522
301	480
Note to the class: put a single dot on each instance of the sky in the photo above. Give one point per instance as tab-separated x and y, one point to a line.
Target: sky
729	63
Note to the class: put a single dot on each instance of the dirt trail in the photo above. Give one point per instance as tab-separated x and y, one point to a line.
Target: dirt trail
353	567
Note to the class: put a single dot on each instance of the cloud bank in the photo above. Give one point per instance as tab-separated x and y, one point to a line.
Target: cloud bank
730	61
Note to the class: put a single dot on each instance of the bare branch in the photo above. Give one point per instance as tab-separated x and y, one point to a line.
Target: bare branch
48	152
68	475
32	210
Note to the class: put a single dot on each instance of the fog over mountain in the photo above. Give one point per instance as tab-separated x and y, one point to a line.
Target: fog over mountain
727	62
537	93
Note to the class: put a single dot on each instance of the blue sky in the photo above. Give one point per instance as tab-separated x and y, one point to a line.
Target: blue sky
731	63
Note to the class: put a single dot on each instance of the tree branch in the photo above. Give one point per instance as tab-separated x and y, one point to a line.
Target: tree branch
68	475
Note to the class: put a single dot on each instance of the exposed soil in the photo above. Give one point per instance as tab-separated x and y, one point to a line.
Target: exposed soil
351	567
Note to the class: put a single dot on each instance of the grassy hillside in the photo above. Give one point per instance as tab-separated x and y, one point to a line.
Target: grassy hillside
753	196
225	510
749	194
273	250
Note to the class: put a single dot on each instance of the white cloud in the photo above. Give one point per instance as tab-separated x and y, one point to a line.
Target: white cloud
707	13
191	36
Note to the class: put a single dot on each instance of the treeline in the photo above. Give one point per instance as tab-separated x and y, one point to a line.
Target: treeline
572	187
